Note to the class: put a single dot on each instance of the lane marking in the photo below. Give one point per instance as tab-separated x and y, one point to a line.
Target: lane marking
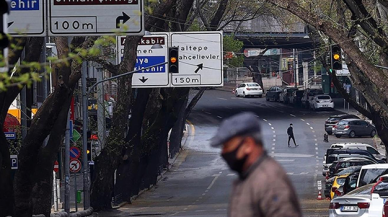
221	98
290	173
302	119
272	128
285	160
212	183
316	148
315	140
274	140
231	174
265	120
274	131
273	143
313	132
316	153
316	144
273	148
315	135
274	135
269	124
207	113
312	128
308	124
292	115
219	117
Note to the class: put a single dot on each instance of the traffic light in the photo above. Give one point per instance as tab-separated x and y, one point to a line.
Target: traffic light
89	151
173	59
336	57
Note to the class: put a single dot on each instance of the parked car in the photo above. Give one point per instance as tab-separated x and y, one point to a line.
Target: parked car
321	102
370	173
286	93
273	93
360	146
249	89
346	171
334	119
338	182
353	128
379	196
308	95
348	162
355	203
296	97
351	182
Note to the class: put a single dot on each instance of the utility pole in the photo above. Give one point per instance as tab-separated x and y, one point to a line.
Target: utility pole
86	174
294	67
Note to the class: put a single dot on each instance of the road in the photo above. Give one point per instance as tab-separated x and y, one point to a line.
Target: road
199	183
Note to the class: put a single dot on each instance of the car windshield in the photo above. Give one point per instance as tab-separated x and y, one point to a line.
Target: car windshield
342	123
370	175
348	170
324	97
331	159
252	85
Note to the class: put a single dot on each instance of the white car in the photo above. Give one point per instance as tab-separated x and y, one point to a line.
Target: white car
249	89
321	102
379	197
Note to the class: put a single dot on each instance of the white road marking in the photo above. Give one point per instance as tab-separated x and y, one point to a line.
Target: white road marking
292	155
221	98
292	115
316	148
304	173
313	132
265	120
312	128
272	128
316	144
316	153
317	157
207	113
185	208
285	160
273	143
302	119
315	135
257	116
269	124
274	140
315	140
214	180
274	135
274	131
219	117
290	173
203	194
273	152
231	174
273	148
308	124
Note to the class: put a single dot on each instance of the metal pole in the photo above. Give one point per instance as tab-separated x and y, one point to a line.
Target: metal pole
67	164
55	193
315	70
294	66
58	191
75	192
100	112
86	186
23	99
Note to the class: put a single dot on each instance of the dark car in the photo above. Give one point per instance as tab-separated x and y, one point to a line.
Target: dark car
353	128
341	164
285	95
334	119
273	93
351	182
296	97
308	95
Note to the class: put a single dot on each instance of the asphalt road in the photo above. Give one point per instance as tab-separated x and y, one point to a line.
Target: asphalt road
199	183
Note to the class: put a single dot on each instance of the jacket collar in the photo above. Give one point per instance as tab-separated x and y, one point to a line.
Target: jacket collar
245	174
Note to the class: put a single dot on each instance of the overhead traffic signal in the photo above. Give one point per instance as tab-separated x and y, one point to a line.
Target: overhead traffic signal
336	57
173	59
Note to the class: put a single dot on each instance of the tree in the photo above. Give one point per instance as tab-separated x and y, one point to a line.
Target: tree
353	23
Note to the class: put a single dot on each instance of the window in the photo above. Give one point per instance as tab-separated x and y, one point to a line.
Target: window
370	175
253	85
242	85
372	150
324	97
363	123
341	181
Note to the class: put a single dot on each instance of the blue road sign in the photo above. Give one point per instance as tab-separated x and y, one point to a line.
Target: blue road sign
71	129
14	162
24	5
146	61
75	152
10	135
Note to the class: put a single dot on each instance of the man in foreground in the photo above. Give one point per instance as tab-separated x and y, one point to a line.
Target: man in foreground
263	188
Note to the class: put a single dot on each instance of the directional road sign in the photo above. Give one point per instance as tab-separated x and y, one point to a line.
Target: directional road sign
200	59
14	162
76	135
95	17
10	135
75	165
75	152
152	50
27	18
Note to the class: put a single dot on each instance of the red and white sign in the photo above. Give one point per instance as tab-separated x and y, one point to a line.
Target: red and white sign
75	166
56	166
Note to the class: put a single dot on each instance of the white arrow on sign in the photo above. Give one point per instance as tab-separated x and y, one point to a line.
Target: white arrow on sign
75	166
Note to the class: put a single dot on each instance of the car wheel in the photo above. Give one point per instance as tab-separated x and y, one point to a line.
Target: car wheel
244	95
373	133
352	134
236	93
338	136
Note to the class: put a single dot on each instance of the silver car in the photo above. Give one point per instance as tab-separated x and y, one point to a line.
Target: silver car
355	203
353	128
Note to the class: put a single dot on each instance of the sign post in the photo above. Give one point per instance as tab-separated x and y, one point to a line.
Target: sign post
95	17
27	18
151	50
200	59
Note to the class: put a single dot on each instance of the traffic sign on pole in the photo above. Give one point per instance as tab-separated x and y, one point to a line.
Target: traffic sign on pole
14	162
95	17
56	166
151	50
10	135
200	59
27	18
75	166
75	153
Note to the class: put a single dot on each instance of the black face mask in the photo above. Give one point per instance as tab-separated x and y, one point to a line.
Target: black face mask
231	159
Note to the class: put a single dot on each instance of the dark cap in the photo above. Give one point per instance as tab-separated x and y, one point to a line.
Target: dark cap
237	125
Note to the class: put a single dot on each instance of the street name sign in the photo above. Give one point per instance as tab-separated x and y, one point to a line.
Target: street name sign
10	135
151	50
27	18
200	59
95	17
